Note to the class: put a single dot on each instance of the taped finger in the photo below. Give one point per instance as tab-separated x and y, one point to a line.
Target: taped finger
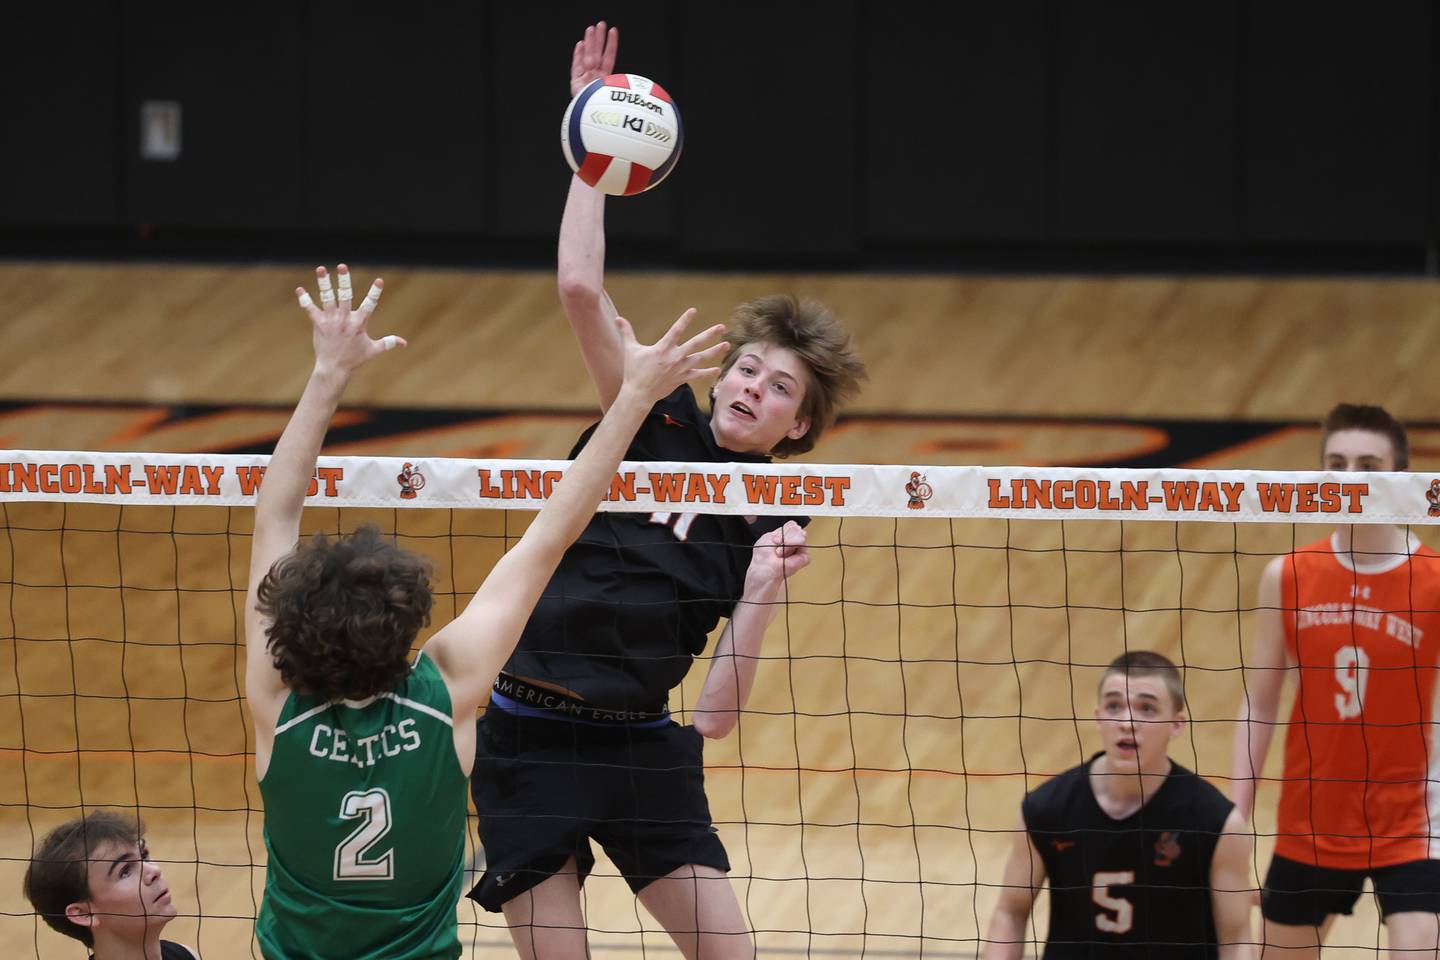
372	298
327	292
305	301
346	292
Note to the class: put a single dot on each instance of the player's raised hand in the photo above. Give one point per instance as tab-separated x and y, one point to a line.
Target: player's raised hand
594	56
778	555
341	341
654	371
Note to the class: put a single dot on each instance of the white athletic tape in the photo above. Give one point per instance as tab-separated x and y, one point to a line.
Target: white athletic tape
346	293
305	301
373	297
327	293
390	342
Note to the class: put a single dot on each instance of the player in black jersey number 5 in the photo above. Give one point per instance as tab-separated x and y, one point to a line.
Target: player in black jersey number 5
1145	859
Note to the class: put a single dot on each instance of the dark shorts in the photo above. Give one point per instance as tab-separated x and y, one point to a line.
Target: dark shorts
1301	895
544	788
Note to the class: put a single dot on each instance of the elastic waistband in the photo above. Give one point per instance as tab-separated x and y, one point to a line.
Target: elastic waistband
521	699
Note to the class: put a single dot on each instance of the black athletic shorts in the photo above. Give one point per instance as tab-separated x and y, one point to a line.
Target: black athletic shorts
544	788
1302	895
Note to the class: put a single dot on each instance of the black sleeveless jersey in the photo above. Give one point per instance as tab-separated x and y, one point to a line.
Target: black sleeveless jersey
1133	888
634	599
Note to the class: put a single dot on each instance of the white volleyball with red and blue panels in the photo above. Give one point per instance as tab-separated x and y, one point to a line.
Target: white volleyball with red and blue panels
622	134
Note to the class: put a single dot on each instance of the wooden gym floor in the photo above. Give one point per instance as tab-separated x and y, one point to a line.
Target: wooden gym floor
867	800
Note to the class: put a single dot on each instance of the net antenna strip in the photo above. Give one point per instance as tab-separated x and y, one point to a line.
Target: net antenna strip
877	490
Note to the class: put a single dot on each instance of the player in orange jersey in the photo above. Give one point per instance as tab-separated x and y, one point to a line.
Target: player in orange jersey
1355	619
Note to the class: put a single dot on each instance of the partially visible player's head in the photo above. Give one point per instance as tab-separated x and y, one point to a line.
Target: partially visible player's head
94	877
344	613
780	386
1141	709
1359	437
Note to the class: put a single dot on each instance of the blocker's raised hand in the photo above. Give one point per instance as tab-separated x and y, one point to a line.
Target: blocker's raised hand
656	370
340	337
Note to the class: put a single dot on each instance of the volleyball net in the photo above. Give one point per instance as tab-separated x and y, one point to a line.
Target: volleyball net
938	659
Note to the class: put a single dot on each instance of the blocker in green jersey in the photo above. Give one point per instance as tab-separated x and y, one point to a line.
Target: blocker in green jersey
363	756
387	831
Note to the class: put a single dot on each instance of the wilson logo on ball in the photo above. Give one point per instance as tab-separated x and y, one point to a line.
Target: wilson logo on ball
640	100
622	150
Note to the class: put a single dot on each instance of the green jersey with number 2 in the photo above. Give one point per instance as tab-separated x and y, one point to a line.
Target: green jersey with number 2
365	827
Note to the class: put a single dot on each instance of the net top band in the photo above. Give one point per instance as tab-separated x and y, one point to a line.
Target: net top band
874	490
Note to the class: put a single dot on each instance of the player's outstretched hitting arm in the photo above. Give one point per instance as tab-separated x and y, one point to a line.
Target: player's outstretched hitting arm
582	240
777	556
472	648
1264	679
342	344
1024	876
1232	889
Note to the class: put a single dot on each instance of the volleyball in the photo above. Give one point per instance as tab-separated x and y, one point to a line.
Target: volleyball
622	134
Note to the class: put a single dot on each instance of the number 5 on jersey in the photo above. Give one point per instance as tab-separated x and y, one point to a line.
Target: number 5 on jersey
351	863
1124	910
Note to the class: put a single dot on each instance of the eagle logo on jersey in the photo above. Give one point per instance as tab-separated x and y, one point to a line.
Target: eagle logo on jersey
918	490
1167	849
411	481
1433	495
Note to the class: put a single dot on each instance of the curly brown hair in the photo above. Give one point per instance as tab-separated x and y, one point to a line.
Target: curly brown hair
809	330
344	613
